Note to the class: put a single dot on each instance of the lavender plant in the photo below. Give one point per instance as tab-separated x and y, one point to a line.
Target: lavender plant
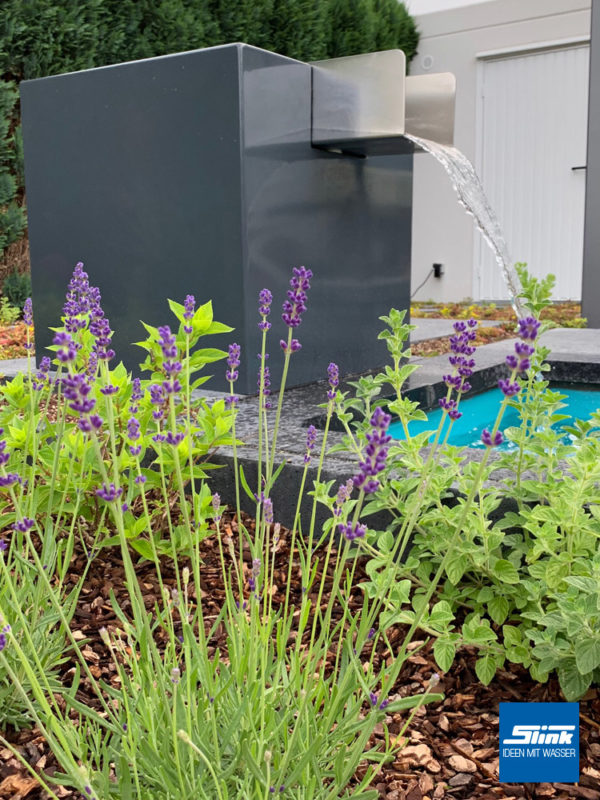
268	698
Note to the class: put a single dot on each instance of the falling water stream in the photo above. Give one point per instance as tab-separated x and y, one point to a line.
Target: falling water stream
471	196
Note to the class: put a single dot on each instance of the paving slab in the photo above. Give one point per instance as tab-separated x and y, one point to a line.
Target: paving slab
437	328
12	366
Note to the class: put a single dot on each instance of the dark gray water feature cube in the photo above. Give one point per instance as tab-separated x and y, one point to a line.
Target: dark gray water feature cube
194	173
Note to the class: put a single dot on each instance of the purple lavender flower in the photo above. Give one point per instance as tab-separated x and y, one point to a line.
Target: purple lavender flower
523	349
167	343
371	634
2	641
133	429
452	381
450	407
311	440
292	347
77	300
159	397
67	348
42	375
351	531
174	438
109	493
188	314
268	510
233	362
28	312
216	504
133	432
3	545
8	480
137	393
333	376
92	365
509	388
264	377
265	298
24	525
520	360
4	455
109	389
375	453
295	305
100	329
343	494
373	698
232	401
528	328
140	479
489	441
76	389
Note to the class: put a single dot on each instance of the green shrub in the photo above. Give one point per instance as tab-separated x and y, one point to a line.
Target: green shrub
523	585
17	288
12	216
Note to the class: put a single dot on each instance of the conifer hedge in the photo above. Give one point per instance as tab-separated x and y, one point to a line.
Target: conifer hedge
47	37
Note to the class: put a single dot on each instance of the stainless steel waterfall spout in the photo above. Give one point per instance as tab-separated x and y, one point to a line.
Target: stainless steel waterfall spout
364	105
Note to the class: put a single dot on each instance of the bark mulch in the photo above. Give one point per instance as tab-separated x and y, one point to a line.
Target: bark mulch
450	749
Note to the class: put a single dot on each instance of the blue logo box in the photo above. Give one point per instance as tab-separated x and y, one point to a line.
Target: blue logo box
539	742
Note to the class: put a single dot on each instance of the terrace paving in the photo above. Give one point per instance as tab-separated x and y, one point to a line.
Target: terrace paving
437	328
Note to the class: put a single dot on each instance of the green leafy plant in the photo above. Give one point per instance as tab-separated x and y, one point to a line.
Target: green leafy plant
17	288
8	314
12	215
517	585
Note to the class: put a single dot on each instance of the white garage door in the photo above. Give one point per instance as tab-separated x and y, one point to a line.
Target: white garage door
532	133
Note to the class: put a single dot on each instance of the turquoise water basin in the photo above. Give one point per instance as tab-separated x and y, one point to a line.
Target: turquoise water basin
480	410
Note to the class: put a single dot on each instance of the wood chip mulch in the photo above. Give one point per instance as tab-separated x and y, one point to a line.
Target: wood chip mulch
450	749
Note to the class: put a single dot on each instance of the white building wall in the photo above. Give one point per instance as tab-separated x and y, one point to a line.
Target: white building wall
450	42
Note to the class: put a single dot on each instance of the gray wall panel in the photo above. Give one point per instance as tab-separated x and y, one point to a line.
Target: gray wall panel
195	173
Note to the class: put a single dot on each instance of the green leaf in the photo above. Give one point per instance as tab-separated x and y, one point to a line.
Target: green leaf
202	318
412	701
485	594
512	636
485	667
587	655
143	547
456	568
245	486
505	571
441	615
177	309
573	684
498	609
556	571
586	585
444	651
